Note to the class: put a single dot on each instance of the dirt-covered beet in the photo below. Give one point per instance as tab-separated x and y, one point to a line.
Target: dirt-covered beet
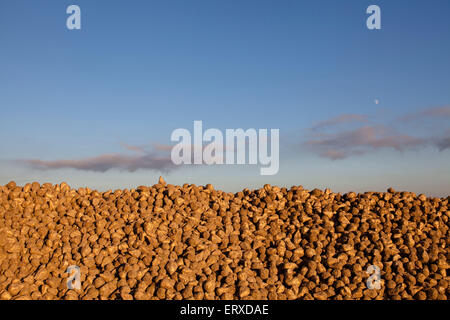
195	242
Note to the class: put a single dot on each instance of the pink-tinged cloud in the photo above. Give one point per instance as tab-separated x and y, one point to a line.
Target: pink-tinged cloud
342	144
158	159
344	118
436	112
162	147
106	162
140	159
138	149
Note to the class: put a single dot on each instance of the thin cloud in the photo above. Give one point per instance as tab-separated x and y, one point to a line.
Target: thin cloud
106	162
159	159
435	112
442	143
342	144
138	149
344	118
162	147
142	159
329	140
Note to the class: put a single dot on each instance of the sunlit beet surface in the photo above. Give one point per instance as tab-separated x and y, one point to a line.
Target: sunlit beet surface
194	242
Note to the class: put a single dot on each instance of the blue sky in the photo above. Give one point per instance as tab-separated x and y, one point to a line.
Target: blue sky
137	70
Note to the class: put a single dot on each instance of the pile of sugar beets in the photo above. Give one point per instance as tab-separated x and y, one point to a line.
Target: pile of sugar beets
195	242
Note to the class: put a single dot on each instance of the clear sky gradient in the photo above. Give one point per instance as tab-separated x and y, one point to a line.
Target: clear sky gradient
357	109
